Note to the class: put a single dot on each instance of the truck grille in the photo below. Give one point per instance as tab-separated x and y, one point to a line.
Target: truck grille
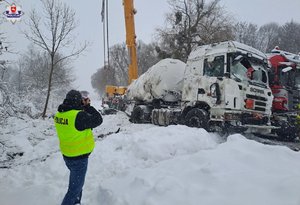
259	102
255	97
260	109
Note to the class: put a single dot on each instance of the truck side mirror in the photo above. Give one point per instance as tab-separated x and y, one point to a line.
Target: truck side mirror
287	69
237	59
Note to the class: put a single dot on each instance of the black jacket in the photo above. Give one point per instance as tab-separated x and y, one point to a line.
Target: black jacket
87	118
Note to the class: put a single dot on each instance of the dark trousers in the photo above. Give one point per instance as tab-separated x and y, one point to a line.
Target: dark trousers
78	168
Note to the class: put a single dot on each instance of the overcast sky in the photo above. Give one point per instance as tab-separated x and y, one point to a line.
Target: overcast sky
150	15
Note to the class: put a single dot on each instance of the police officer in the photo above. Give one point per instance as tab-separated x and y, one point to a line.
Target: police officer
74	122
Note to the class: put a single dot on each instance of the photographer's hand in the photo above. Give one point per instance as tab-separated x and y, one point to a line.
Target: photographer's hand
86	102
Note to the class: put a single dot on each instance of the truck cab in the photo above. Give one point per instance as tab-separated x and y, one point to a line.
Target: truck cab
284	80
226	87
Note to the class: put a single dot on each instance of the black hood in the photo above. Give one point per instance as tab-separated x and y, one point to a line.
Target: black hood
66	106
72	102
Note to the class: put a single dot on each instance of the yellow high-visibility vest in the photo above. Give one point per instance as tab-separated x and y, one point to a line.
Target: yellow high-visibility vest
72	142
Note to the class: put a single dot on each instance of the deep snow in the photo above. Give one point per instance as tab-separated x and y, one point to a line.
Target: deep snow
149	165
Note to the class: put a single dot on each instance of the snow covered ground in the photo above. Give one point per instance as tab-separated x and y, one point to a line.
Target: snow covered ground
148	165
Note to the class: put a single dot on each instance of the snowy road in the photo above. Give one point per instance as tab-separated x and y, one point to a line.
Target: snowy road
149	165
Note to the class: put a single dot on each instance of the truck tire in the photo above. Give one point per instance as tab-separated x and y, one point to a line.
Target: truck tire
137	115
197	118
286	132
155	117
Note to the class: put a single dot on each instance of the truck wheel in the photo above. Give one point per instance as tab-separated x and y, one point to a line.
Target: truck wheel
286	132
155	117
137	115
197	118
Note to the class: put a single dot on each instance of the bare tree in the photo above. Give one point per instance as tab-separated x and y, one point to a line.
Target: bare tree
246	33
190	24
118	64
147	56
289	37
117	72
19	79
104	76
35	70
3	43
52	32
268	36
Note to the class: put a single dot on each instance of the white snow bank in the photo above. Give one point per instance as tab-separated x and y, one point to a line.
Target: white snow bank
236	172
161	81
27	136
149	146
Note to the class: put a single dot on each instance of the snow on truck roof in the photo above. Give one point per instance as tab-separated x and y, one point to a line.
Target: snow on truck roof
225	47
294	58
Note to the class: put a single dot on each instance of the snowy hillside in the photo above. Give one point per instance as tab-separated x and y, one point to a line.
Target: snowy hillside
148	165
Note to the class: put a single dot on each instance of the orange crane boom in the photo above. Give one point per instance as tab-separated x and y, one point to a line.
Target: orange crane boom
129	12
115	93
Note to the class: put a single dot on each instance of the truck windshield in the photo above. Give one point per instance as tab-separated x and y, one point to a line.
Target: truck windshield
243	68
214	68
259	73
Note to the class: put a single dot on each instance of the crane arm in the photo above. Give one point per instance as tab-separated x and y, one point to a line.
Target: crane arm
129	13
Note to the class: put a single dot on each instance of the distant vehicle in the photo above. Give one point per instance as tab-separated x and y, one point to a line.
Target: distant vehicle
284	77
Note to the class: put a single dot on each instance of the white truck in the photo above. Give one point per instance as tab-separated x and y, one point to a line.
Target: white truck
222	87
